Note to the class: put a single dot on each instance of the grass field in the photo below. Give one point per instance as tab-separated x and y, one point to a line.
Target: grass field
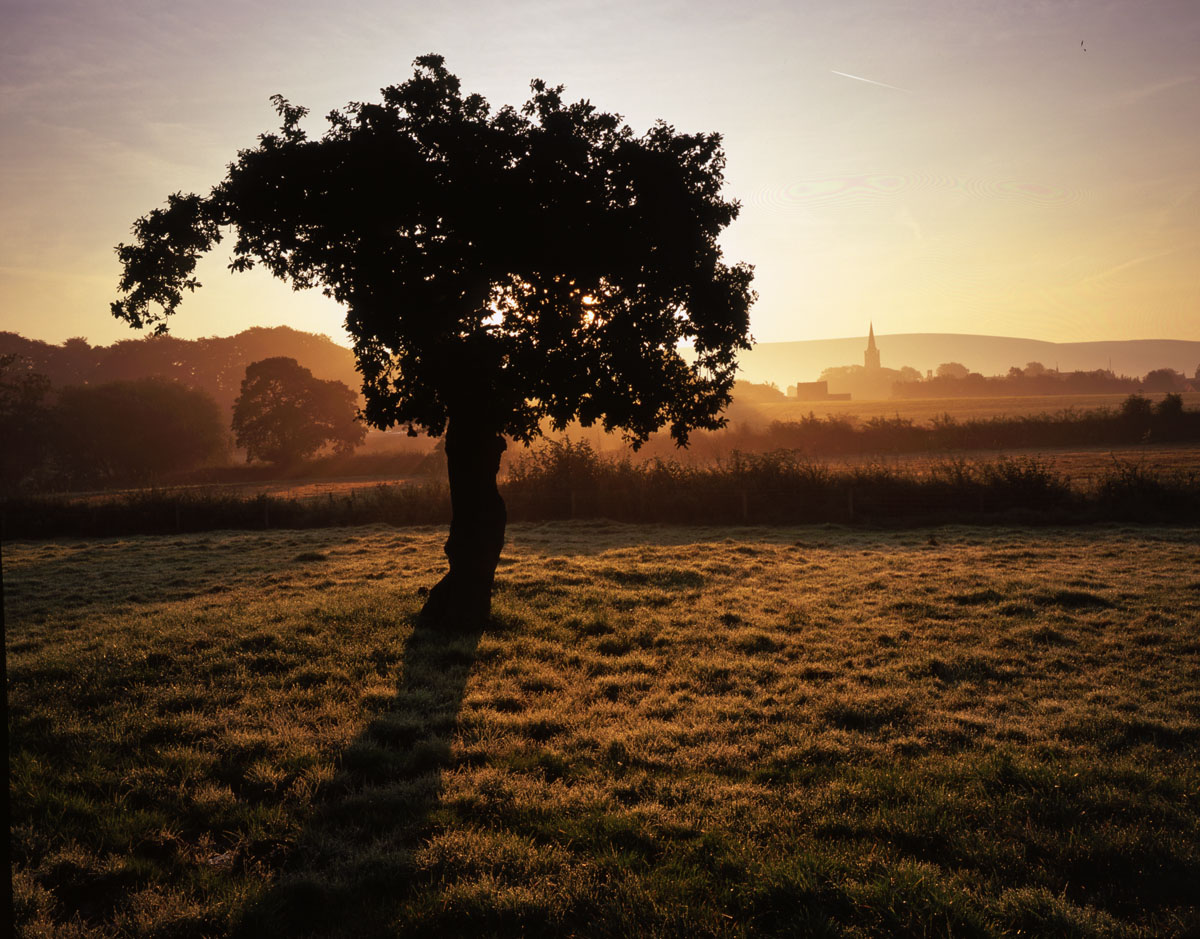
924	410
666	732
1082	464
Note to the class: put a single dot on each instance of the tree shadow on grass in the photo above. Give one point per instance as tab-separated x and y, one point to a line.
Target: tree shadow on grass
354	865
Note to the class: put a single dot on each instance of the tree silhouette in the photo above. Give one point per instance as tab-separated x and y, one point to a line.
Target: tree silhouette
24	420
1164	379
501	270
135	431
284	414
952	370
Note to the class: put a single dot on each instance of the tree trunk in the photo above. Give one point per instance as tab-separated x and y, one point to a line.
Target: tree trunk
463	598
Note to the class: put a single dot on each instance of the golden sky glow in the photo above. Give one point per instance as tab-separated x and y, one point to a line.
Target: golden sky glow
1022	169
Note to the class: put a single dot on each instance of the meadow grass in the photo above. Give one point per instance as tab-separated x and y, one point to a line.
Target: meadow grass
666	731
564	479
962	409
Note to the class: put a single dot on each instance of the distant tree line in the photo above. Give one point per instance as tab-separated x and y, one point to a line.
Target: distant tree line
1138	420
215	365
114	433
954	380
140	431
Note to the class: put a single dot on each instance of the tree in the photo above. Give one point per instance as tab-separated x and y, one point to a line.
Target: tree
1169	410
1164	379
1135	413
284	414
134	431
952	370
24	420
500	270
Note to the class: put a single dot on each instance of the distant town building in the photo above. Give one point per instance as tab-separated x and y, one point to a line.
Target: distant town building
871	356
815	391
869	381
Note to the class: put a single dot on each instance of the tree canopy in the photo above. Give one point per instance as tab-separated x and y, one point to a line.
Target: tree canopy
215	364
24	419
952	370
284	414
532	264
1164	379
135	431
500	269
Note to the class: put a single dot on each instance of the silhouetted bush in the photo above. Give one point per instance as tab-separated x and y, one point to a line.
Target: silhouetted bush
565	479
1130	491
156	511
1136	421
1169	411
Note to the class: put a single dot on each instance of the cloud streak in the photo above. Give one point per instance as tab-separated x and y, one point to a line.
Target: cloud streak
1132	262
1140	93
869	81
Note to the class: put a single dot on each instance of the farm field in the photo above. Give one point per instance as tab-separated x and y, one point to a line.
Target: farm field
1082	464
289	488
924	410
668	731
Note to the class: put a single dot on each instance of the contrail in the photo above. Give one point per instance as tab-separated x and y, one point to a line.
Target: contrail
1130	263
869	81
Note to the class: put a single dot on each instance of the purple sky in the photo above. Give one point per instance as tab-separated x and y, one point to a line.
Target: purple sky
935	166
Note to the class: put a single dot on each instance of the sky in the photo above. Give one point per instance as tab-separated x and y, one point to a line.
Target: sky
1024	169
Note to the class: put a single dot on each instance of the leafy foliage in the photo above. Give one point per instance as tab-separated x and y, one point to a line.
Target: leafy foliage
1165	379
1136	421
284	414
134	431
565	479
515	266
215	364
952	370
23	420
1033	380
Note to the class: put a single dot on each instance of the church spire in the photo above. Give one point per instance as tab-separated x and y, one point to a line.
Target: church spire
871	355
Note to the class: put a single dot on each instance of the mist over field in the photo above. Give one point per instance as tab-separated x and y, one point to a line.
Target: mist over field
911	664
446	488
786	363
667	731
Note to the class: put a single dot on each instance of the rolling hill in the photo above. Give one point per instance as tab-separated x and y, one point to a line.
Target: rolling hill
217	364
786	363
